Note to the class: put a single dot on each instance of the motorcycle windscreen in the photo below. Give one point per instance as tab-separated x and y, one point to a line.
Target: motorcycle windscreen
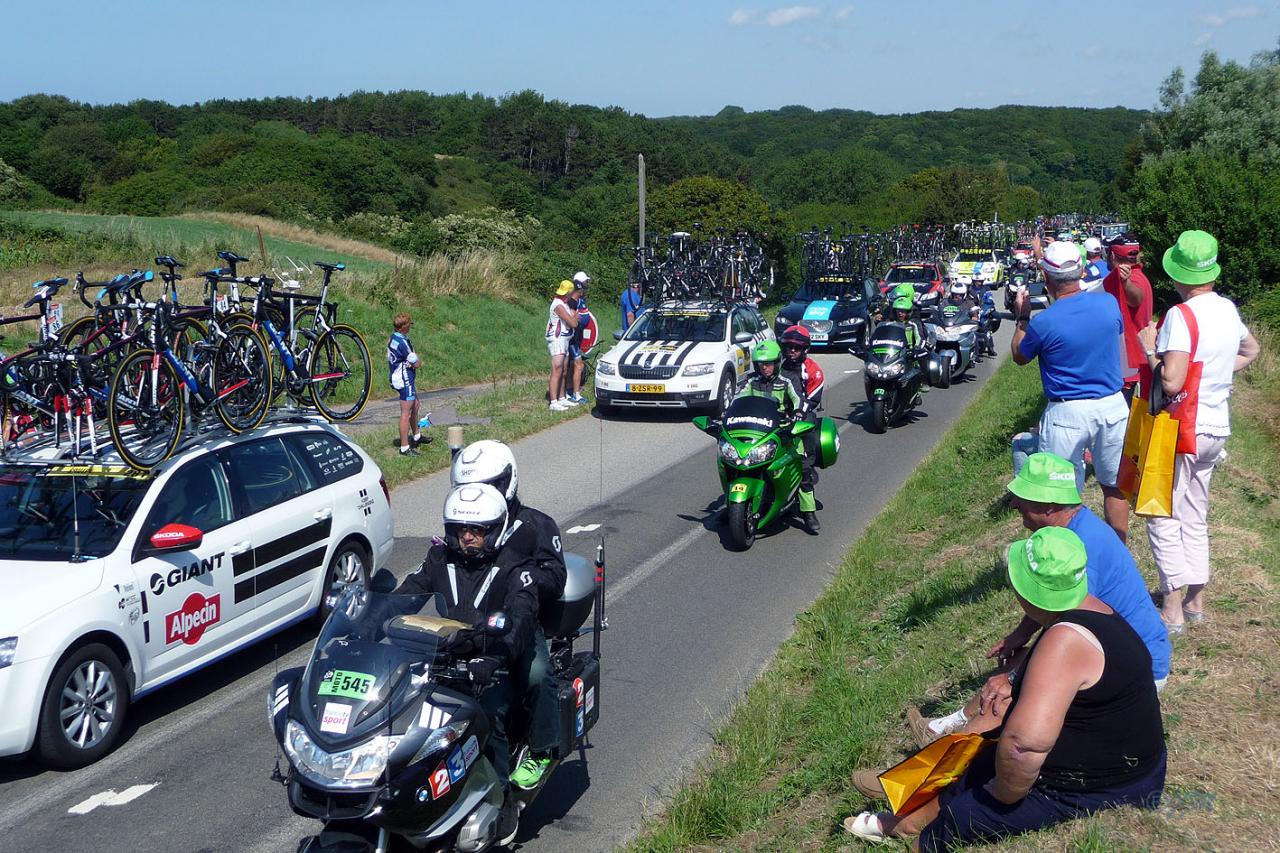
364	651
758	414
888	342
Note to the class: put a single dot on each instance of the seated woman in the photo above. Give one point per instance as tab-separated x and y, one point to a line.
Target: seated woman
1082	733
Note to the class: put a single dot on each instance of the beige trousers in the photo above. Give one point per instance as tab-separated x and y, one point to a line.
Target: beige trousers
1180	544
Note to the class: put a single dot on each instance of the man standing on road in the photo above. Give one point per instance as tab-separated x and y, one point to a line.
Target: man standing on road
1095	268
562	319
573	380
1078	341
1129	285
402	364
630	303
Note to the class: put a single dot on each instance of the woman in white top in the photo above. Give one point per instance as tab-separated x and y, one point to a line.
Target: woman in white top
1201	345
562	319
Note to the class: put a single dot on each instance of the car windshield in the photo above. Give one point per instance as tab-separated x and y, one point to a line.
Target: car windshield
970	257
831	287
911	274
699	326
65	511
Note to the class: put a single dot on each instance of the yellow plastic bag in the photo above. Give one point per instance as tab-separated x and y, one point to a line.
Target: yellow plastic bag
1127	481
917	780
1155	487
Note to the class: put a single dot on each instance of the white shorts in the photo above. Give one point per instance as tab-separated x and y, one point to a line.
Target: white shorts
558	346
1070	427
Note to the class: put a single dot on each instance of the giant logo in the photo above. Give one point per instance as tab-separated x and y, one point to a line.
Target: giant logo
180	574
189	623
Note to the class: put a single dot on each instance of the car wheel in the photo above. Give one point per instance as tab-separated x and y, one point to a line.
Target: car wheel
84	708
350	565
725	395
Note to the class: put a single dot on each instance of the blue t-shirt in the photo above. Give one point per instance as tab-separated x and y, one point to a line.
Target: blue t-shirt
1095	271
400	373
1077	341
630	301
1114	578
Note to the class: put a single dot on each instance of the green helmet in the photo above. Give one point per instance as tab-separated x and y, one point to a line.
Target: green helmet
903	303
766	351
906	290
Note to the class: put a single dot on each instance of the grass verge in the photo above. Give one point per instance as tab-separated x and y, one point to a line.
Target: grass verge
918	600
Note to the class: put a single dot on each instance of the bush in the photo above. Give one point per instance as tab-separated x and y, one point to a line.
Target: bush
143	194
485	229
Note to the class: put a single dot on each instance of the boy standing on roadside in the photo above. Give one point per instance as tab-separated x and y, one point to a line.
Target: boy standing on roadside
402	364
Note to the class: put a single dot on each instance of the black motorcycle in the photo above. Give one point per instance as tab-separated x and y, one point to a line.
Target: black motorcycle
383	731
894	376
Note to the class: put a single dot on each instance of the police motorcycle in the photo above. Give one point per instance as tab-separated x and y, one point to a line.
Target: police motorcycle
893	375
760	462
382	729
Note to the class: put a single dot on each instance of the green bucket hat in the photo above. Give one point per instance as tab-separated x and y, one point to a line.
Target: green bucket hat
1046	478
1193	259
1047	569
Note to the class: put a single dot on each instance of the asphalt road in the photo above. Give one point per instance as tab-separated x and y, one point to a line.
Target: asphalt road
691	626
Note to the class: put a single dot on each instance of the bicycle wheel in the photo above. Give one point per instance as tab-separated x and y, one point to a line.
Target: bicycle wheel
340	374
241	379
145	409
185	333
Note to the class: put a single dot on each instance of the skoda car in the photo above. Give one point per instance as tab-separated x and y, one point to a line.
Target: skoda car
680	355
834	310
118	582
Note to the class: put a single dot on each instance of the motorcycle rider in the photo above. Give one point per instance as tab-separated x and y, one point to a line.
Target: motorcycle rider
806	377
494	591
916	339
534	538
960	296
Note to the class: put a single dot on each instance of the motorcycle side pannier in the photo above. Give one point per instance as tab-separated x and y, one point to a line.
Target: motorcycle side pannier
570	613
828	443
578	701
936	372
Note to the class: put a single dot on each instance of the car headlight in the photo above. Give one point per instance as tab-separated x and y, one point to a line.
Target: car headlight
604	368
781	322
699	369
851	321
358	767
8	649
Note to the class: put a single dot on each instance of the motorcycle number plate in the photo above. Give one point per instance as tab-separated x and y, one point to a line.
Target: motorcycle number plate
642	388
352	685
738	489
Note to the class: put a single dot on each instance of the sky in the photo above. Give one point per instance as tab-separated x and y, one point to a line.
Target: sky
655	58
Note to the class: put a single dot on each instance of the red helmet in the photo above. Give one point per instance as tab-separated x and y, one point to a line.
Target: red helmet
797	336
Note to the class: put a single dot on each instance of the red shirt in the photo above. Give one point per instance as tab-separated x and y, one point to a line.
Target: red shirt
1134	320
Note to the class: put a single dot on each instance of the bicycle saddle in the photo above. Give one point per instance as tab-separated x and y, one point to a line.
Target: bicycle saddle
330	267
232	257
168	261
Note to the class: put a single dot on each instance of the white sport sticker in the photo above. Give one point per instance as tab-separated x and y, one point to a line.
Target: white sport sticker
591	699
336	718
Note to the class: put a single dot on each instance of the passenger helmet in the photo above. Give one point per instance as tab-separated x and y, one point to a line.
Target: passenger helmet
796	336
489	462
766	352
475	505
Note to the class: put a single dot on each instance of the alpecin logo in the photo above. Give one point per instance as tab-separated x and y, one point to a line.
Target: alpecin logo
189	623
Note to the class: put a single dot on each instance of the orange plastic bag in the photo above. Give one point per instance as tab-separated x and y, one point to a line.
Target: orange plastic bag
1155	487
1127	481
917	780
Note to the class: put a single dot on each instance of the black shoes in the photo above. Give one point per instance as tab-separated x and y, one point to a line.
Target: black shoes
418	441
412	451
508	821
811	522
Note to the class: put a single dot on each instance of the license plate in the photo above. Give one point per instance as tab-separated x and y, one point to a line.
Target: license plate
817	337
640	388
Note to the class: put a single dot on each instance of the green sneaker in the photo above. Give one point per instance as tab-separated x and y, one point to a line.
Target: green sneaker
530	772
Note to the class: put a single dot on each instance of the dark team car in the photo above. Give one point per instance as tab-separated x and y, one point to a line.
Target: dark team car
834	310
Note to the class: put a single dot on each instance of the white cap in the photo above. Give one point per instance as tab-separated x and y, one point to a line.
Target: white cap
959	287
580	277
1093	245
1061	260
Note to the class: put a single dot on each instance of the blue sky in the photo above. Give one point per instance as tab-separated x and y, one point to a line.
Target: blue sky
658	58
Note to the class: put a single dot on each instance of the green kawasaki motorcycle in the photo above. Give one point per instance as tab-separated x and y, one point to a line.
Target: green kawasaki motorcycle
760	462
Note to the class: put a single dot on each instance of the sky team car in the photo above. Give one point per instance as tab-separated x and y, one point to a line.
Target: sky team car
117	582
926	278
681	355
977	268
834	310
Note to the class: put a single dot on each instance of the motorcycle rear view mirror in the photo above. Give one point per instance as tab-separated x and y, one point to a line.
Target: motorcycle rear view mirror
702	422
383	581
801	427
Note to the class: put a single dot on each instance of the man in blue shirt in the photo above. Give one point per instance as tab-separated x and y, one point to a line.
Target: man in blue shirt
1078	341
1095	265
630	301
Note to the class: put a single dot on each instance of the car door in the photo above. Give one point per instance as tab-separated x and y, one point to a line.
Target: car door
186	595
290	514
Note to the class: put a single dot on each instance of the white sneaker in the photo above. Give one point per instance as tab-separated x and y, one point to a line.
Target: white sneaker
577	399
568	402
558	406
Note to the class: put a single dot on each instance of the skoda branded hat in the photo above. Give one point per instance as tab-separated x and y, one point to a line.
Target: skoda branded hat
1046	478
1193	259
1048	569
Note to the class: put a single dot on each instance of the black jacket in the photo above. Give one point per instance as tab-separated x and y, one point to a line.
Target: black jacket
474	589
534	537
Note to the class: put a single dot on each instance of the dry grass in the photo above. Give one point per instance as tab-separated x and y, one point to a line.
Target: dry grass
345	246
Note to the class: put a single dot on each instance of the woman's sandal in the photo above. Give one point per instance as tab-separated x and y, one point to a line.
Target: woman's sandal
1174	629
1194	617
865	826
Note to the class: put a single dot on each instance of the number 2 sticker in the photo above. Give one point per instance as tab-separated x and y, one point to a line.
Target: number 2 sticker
439	782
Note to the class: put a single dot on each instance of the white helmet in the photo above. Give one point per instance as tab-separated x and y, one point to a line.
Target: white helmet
959	288
475	505
489	462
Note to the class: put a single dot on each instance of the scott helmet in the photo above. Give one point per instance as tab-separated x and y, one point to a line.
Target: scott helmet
475	505
486	461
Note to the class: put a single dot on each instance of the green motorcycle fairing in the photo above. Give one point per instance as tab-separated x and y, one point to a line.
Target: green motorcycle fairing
769	486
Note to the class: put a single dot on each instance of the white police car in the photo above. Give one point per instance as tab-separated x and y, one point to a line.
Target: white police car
117	583
681	355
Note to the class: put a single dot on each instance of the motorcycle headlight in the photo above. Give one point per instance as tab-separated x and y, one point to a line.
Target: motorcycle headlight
728	452
881	371
761	453
358	767
699	369
604	368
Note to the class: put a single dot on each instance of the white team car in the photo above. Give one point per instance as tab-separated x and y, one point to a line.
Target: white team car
977	268
681	355
117	583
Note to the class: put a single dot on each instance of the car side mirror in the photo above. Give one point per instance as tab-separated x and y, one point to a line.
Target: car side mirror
743	337
382	581
173	538
617	334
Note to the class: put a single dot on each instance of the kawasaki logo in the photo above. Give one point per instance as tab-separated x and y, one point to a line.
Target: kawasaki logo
744	419
189	623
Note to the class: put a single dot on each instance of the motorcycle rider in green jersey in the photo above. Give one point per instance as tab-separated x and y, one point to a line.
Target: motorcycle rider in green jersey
916	338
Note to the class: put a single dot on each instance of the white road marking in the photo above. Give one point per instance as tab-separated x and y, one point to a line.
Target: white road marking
855	370
613	592
111	798
583	528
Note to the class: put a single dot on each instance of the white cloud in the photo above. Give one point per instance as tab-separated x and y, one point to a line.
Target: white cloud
1202	39
741	17
1234	14
790	14
843	13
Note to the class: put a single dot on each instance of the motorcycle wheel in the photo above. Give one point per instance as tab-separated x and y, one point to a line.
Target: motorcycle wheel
742	527
879	417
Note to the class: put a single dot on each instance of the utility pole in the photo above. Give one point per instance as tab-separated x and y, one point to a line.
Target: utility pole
640	158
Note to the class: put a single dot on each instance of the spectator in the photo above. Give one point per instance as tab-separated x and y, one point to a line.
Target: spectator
402	366
1132	291
1095	268
573	376
1077	341
1083	731
630	302
1200	345
562	319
